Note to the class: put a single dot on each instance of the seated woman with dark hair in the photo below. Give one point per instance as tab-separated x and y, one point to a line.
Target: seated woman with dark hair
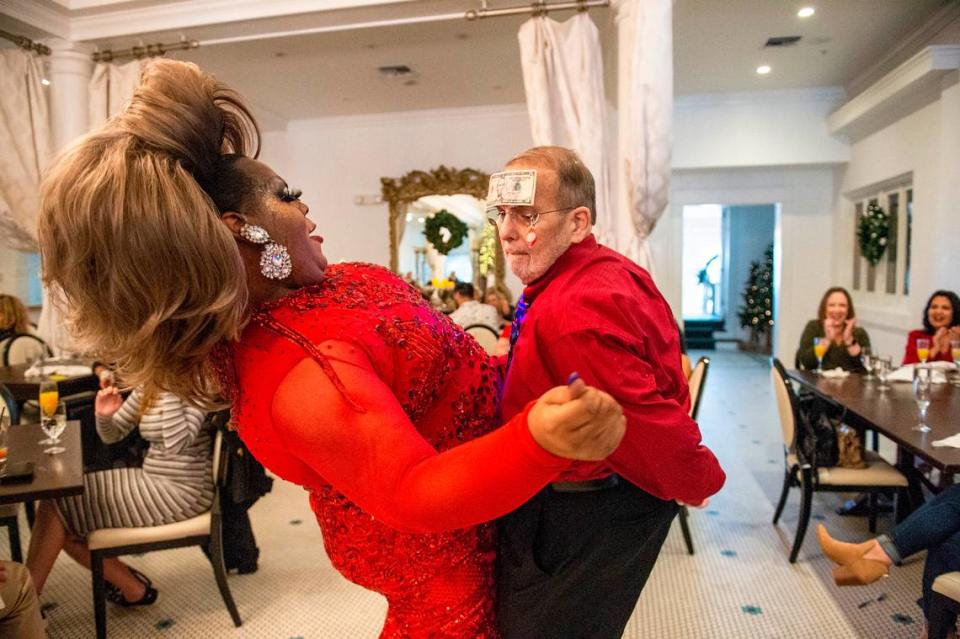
837	322
941	325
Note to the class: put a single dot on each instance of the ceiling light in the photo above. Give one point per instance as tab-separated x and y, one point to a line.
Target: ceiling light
45	82
763	69
806	12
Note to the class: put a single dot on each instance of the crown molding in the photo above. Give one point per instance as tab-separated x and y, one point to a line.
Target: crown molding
197	13
814	94
33	13
912	85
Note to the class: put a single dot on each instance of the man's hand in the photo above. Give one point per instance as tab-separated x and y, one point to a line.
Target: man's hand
577	422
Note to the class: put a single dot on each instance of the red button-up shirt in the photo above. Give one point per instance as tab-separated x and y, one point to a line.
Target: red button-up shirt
598	313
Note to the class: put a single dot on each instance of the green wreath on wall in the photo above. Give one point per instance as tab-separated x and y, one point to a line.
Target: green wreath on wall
873	232
444	219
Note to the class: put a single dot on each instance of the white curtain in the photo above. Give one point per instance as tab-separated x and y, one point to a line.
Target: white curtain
645	29
111	87
563	79
25	129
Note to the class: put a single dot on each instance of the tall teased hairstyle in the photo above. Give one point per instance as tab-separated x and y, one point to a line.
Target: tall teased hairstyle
575	181
13	315
151	278
822	310
954	304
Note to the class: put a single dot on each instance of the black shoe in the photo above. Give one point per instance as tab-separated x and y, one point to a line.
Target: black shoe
150	594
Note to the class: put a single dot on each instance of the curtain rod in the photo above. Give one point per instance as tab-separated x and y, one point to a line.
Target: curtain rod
150	50
25	43
538	8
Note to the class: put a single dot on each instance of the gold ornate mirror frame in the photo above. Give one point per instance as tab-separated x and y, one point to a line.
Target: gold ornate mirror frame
400	193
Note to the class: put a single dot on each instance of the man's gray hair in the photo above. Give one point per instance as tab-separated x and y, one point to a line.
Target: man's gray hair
575	185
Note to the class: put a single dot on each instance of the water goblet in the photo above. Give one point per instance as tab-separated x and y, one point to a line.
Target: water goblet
955	353
882	366
921	393
54	427
866	357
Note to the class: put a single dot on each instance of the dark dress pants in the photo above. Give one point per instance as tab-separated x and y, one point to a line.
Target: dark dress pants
572	564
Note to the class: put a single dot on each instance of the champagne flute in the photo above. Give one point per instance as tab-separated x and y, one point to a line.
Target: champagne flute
54	428
955	353
882	366
923	350
49	398
820	345
921	393
866	356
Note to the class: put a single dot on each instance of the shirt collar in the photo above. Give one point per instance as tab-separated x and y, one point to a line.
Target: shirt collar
569	260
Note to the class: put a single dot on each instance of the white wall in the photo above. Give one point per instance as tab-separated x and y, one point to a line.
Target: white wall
335	159
926	143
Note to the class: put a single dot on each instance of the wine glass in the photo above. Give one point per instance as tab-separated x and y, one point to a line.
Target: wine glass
882	366
49	398
820	345
923	350
4	432
54	427
866	356
955	353
921	393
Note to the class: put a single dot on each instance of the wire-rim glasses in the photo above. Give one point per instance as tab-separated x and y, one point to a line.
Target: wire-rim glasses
524	216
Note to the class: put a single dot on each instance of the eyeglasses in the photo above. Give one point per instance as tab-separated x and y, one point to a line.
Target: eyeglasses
523	216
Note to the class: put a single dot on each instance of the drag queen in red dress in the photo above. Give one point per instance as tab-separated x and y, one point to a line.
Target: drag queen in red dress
169	244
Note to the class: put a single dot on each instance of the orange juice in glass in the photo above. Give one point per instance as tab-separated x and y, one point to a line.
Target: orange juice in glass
955	353
49	398
820	345
923	350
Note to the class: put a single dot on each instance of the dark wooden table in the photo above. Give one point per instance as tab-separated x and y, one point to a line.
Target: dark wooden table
53	475
24	388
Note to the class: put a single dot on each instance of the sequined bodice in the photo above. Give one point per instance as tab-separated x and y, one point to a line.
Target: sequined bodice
444	383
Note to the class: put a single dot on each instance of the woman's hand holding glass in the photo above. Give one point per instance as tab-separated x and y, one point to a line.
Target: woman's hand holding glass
577	422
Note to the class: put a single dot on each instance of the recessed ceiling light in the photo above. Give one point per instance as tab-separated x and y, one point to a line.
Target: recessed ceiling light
806	12
45	82
763	69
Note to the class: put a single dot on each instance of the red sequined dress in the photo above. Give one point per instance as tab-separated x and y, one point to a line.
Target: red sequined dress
409	527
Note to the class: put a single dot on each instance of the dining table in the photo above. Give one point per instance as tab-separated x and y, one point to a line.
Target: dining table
24	387
59	475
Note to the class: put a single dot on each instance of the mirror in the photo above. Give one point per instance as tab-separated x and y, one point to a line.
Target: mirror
421	196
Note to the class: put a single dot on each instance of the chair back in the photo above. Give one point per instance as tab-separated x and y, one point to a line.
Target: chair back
486	336
697	379
22	348
216	422
787	403
13	410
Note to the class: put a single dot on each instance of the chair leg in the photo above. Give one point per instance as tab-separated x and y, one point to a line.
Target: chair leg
787	480
13	531
943	616
99	593
220	572
806	487
873	512
685	529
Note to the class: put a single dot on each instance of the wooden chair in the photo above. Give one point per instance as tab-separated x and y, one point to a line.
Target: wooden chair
697	379
944	605
486	336
203	530
877	477
22	348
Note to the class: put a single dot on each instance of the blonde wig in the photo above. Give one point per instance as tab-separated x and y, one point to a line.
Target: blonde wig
151	278
13	315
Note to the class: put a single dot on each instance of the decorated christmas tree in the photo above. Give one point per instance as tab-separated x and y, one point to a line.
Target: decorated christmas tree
756	312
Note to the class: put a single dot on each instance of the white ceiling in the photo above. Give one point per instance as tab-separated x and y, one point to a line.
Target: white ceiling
717	43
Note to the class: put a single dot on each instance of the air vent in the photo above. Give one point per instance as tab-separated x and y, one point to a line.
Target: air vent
395	71
782	41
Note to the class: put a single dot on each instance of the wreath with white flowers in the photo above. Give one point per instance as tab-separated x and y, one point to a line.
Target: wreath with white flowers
445	231
874	232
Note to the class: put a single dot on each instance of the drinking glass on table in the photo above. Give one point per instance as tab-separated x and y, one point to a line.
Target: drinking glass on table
49	398
820	345
955	353
866	358
882	365
4	432
923	350
921	393
54	427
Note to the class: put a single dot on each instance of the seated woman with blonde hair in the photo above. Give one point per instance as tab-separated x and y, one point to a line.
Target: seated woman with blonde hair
836	323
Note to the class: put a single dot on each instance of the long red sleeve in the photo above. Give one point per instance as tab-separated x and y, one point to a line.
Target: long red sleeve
380	462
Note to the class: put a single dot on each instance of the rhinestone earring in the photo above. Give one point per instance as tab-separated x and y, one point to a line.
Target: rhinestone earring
275	261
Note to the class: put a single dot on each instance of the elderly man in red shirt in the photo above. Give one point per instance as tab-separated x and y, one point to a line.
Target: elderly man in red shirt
573	560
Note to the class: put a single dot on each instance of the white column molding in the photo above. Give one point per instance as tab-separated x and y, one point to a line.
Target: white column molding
70	69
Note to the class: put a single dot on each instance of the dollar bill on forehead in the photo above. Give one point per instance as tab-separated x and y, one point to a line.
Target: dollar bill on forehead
512	188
